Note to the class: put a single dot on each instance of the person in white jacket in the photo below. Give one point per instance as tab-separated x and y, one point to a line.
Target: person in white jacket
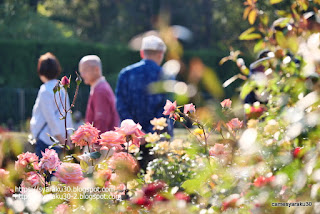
45	119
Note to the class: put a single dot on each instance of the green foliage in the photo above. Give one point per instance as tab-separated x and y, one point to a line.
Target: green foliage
18	21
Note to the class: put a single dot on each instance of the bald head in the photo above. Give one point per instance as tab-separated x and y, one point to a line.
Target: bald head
90	69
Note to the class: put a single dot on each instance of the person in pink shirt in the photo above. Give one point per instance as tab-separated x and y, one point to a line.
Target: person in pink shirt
101	108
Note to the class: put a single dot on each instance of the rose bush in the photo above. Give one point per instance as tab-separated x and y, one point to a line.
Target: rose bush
243	159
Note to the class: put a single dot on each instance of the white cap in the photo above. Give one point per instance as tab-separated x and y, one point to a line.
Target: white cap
153	43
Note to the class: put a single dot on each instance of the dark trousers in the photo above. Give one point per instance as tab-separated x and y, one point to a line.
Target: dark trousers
41	146
146	157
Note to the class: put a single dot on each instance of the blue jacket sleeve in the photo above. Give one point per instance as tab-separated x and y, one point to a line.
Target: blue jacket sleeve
121	96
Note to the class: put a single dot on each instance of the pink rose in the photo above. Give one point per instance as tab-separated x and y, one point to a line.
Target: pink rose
3	173
115	147
33	179
112	137
26	159
85	135
235	123
170	108
50	160
69	173
130	129
123	158
65	81
105	174
230	201
217	150
189	108
226	103
182	196
262	181
62	209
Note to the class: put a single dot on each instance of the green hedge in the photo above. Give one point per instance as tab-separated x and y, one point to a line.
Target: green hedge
19	60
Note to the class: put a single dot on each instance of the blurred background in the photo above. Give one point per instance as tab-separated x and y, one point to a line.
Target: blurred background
203	31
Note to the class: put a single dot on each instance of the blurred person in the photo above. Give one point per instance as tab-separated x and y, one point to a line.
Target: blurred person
45	115
101	108
134	101
257	73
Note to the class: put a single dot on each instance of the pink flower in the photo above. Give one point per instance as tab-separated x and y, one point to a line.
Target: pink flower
112	137
182	196
132	130
230	201
105	174
123	159
170	108
26	159
235	123
115	147
50	160
217	150
33	179
226	103
142	201
3	173
69	173
189	108
85	135
65	81
262	181
62	209
153	188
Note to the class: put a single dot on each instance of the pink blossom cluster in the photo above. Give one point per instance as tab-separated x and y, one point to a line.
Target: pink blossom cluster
128	131
226	103
171	109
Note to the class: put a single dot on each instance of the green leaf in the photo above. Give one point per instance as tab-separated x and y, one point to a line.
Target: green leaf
165	135
53	139
191	186
275	1
248	35
84	165
260	45
55	145
281	40
252	16
251	36
95	155
212	83
246	89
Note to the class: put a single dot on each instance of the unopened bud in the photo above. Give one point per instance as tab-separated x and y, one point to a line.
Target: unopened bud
56	88
65	82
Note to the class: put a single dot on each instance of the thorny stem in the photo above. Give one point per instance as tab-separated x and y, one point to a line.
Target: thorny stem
204	133
55	101
74	98
90	153
191	132
65	122
62	101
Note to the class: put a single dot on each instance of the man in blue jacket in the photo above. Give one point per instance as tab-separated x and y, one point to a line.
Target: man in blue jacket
134	99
